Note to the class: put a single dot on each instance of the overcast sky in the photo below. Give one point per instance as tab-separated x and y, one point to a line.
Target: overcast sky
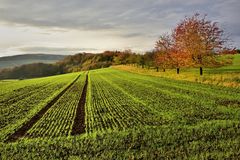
71	26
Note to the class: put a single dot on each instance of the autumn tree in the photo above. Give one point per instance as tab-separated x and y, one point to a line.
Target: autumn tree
179	59
108	56
198	38
163	48
121	57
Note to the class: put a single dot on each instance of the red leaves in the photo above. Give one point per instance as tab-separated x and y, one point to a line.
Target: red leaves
180	59
198	37
164	43
194	41
163	47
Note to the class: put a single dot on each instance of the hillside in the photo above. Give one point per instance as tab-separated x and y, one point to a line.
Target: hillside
114	114
17	60
71	63
227	75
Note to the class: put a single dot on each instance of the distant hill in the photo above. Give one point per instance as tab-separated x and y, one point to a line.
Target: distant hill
71	63
17	60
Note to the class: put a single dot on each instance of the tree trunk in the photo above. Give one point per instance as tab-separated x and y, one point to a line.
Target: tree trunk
178	70
163	69
157	69
142	66
201	71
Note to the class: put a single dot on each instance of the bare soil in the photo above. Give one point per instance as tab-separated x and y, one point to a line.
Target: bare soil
79	125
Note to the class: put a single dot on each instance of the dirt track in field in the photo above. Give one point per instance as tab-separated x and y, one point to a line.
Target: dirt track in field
79	125
23	130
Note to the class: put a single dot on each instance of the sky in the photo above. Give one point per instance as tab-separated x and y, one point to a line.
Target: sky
73	26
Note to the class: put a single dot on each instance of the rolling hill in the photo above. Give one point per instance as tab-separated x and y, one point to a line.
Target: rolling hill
17	60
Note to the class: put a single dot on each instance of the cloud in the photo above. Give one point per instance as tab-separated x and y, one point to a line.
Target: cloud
132	35
97	15
38	49
126	21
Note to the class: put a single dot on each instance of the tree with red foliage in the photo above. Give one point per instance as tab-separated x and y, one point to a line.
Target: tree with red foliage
179	59
163	48
198	38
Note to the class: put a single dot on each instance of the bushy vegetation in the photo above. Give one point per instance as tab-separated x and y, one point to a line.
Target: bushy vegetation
30	71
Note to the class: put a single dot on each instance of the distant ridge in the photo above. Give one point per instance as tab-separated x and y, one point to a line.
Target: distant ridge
17	60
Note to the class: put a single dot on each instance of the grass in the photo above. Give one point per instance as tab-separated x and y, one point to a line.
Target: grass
233	67
223	76
139	116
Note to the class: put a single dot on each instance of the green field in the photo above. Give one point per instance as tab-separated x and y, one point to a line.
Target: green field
232	68
126	116
227	75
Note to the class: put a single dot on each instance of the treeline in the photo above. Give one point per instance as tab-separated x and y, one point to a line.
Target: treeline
30	71
74	63
88	61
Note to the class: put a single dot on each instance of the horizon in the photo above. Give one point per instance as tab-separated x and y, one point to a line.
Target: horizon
67	28
43	54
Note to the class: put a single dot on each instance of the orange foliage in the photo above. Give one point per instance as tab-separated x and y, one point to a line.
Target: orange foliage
199	38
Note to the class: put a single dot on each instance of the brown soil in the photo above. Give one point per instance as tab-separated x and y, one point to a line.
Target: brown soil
229	102
23	130
79	125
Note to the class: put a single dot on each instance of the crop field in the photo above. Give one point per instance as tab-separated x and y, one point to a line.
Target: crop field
20	100
109	108
115	114
58	120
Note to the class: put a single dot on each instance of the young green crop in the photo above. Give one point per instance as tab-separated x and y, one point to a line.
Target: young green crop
131	116
211	140
58	120
24	100
178	105
108	108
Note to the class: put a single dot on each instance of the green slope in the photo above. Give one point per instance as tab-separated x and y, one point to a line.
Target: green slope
132	116
232	68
